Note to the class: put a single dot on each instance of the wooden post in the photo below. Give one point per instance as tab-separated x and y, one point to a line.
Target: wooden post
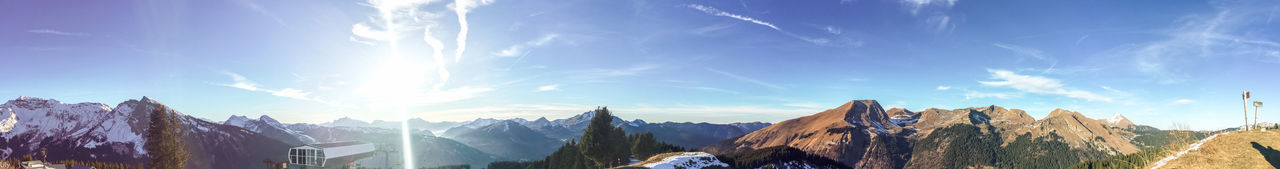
1244	103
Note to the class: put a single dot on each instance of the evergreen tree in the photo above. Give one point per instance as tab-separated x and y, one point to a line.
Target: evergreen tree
601	142
643	146
620	146
164	140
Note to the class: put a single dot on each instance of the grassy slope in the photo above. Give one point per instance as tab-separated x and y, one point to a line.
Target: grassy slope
1234	150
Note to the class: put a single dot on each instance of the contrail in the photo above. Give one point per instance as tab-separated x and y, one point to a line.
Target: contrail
437	48
461	8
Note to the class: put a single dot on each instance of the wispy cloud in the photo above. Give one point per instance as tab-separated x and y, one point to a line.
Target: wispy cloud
718	12
365	31
522	49
240	82
461	8
253	5
353	39
56	32
1039	85
940	23
832	30
747	79
943	88
549	88
1183	101
1024	51
915	6
1229	32
630	71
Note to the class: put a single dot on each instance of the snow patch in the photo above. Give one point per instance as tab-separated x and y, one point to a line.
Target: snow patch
690	160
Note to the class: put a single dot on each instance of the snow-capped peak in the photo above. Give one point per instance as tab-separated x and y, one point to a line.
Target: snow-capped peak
7	124
239	121
270	121
1116	118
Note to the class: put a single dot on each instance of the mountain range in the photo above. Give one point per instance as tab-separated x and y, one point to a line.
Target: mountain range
98	132
861	134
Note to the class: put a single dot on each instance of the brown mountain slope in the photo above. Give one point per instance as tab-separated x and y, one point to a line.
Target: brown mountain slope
1083	133
861	134
857	133
999	117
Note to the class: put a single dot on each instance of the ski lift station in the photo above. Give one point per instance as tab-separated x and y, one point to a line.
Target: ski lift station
330	155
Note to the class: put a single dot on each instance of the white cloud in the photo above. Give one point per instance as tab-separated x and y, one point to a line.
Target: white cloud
353	39
718	12
630	71
914	6
365	31
521	49
747	79
1230	32
818	41
56	32
461	8
1039	85
291	93
943	88
240	82
832	30
1025	51
1183	101
549	88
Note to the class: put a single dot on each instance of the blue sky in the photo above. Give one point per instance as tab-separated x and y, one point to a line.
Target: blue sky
700	61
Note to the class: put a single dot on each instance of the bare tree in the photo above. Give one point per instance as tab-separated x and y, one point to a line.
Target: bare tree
1181	135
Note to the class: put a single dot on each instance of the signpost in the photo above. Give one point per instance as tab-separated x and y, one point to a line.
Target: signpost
1256	104
1244	103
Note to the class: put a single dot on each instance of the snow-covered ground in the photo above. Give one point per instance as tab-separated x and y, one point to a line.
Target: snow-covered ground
687	160
1193	147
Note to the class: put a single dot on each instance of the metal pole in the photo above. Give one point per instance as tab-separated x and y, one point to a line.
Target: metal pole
1255	115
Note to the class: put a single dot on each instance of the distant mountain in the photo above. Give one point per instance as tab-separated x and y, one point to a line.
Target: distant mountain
1119	121
97	132
682	134
693	134
429	150
269	127
508	139
414	124
861	134
347	122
